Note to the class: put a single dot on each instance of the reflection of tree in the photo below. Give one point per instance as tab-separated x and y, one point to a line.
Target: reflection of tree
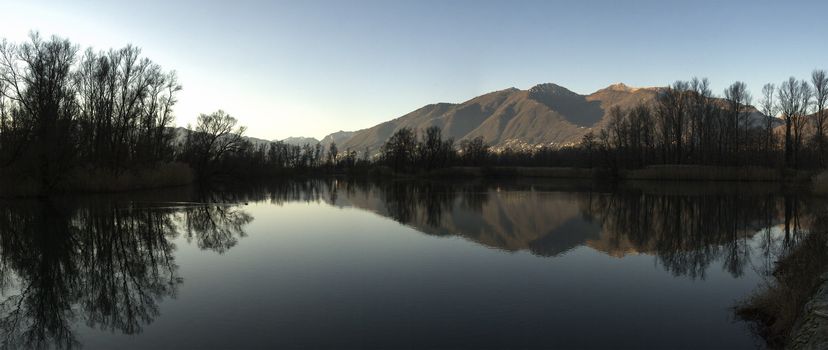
688	232
406	202
107	266
128	273
215	227
37	245
777	310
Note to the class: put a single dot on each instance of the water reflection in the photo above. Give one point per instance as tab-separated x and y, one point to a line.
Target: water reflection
108	264
104	264
685	230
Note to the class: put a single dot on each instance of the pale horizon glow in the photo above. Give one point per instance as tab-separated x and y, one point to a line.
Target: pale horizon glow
311	68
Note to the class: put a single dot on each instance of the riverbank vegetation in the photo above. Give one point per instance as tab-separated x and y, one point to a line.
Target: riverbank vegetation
778	307
66	113
73	120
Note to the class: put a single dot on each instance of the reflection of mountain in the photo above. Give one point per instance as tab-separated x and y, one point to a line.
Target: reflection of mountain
686	233
685	230
109	265
572	233
506	220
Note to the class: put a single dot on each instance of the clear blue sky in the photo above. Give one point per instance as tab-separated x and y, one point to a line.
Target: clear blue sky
307	68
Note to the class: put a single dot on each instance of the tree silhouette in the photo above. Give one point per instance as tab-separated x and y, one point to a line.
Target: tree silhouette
214	138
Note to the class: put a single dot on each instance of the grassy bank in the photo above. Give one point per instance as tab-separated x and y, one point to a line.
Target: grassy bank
777	308
549	172
706	173
95	180
651	173
819	183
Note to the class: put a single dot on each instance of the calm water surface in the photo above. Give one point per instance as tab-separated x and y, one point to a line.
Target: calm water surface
339	264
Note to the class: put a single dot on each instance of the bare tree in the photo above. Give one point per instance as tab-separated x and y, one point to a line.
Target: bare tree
333	152
37	78
474	151
819	79
400	150
790	105
215	137
433	151
769	109
738	99
588	145
700	118
671	110
801	119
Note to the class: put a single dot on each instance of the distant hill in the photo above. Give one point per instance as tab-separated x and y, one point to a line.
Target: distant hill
339	137
180	134
300	141
808	130
546	114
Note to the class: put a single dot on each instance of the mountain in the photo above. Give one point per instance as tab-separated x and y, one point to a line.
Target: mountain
339	137
546	222
546	114
808	130
180	135
300	141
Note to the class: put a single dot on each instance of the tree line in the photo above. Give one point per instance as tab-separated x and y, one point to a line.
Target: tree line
112	112
686	123
63	109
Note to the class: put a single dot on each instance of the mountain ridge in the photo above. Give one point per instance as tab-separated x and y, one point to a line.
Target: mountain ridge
546	114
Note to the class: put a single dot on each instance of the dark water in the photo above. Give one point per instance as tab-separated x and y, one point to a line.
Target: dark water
339	264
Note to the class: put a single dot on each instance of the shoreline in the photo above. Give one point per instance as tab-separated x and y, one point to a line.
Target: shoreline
172	175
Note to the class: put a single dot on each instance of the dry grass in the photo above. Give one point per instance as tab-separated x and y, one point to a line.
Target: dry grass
819	183
775	309
695	188
773	312
554	172
651	173
703	173
548	172
100	180
13	186
14	183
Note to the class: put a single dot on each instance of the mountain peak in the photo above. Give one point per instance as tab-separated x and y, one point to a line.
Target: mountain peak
549	89
544	115
621	87
299	140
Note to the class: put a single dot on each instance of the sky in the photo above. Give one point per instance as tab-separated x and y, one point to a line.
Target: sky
309	68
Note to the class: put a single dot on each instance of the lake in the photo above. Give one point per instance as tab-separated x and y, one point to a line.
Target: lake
340	264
